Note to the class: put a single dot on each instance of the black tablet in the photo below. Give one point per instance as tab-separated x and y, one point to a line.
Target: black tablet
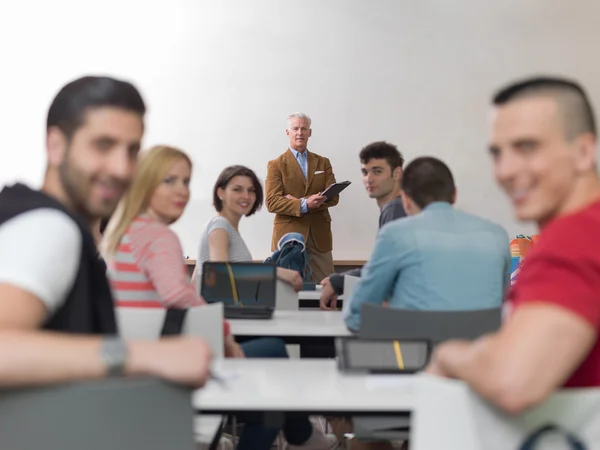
382	356
335	189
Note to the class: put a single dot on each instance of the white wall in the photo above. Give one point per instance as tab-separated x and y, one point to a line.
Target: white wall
220	77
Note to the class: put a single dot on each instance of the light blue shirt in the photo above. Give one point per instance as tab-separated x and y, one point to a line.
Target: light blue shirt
302	158
440	259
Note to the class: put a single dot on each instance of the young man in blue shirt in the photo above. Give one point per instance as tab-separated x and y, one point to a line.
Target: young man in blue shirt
439	258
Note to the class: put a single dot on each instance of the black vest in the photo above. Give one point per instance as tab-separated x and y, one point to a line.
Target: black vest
88	308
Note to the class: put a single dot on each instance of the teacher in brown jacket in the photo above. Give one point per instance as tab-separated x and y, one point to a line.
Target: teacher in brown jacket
294	183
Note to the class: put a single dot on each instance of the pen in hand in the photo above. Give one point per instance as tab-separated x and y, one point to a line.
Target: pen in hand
218	379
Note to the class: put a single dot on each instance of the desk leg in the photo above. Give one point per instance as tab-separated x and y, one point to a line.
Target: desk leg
214	445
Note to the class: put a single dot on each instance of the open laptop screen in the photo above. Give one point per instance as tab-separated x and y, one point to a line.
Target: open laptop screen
239	283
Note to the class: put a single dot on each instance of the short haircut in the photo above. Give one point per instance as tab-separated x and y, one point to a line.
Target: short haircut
225	177
68	109
427	180
573	103
382	150
299	115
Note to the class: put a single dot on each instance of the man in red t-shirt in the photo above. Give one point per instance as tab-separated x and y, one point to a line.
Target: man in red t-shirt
543	145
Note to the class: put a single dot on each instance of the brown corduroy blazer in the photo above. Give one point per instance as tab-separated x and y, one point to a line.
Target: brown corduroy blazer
284	176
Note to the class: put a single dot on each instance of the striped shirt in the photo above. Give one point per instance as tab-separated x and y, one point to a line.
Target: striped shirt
147	269
237	248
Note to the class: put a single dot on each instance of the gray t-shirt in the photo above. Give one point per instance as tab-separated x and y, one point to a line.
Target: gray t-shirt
392	210
237	250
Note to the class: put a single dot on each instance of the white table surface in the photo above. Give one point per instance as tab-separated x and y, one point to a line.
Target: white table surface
309	295
309	385
313	295
309	323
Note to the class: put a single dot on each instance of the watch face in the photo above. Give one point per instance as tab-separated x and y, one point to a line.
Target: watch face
114	355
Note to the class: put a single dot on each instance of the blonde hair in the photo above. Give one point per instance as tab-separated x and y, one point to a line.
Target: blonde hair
151	169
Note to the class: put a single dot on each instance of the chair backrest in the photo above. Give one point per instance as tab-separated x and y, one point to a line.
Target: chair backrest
286	299
140	323
144	414
449	415
350	282
392	323
206	321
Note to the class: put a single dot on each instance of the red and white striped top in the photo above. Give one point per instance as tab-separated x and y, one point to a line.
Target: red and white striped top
147	269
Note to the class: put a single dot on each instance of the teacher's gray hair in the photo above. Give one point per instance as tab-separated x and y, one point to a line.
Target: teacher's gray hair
298	115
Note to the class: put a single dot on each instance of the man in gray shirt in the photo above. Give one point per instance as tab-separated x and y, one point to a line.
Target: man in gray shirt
381	167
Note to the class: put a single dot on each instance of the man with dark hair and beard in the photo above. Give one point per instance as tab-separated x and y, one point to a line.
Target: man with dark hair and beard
57	319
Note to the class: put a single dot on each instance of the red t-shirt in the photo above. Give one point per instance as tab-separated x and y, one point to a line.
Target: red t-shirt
563	268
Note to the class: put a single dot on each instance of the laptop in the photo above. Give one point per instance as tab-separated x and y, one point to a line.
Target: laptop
246	289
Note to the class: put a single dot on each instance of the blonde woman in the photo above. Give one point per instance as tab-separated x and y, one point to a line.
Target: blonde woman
146	269
143	254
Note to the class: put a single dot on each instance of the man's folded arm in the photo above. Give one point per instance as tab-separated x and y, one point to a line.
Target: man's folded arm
276	200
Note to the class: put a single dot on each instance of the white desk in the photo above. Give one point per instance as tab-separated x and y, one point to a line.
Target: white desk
313	295
309	295
310	324
314	386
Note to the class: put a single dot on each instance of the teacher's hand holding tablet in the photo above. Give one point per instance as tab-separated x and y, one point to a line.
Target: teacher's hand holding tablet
315	200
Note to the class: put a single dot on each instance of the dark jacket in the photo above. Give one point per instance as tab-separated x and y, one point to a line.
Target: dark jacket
291	254
88	308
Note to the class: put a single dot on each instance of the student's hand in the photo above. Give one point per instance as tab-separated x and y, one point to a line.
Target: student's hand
451	350
232	348
291	277
328	300
324	281
182	360
433	367
315	200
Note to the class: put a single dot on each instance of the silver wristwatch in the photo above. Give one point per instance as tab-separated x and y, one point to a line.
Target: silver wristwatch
114	354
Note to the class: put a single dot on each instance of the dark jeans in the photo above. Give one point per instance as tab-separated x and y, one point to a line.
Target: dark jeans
255	436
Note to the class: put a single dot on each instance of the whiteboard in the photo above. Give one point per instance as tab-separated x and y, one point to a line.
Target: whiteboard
221	76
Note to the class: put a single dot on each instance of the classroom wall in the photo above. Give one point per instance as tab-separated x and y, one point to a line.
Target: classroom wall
221	76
